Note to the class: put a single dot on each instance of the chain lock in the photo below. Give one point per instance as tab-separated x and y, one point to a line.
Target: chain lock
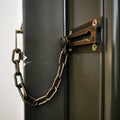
18	76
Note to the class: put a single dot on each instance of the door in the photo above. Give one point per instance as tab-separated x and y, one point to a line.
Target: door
90	84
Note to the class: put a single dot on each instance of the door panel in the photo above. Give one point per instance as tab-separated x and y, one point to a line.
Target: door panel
84	68
84	86
43	27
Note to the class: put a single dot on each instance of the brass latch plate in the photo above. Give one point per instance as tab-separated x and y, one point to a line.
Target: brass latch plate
87	35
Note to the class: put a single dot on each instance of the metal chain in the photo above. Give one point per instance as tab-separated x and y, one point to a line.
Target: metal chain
17	57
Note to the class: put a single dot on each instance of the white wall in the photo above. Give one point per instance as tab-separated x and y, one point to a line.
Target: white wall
11	105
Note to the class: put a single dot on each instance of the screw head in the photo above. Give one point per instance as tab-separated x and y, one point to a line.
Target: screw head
70	32
94	47
94	23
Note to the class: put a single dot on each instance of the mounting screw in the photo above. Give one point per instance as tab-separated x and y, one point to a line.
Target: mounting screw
94	47
70	49
94	23
70	32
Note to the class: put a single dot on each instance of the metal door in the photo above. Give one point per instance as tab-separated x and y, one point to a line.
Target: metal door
90	86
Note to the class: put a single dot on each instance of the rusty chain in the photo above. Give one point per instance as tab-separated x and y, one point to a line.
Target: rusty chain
17	57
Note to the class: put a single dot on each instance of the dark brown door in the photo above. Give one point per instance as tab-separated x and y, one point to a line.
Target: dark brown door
90	85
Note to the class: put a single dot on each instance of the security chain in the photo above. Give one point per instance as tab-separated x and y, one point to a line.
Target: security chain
17	57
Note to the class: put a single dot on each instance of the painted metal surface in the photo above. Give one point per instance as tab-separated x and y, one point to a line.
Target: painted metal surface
112	60
43	27
92	92
84	68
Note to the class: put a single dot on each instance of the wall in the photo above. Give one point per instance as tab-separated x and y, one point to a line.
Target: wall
11	106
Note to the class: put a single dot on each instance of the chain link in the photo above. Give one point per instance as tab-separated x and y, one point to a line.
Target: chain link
17	56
